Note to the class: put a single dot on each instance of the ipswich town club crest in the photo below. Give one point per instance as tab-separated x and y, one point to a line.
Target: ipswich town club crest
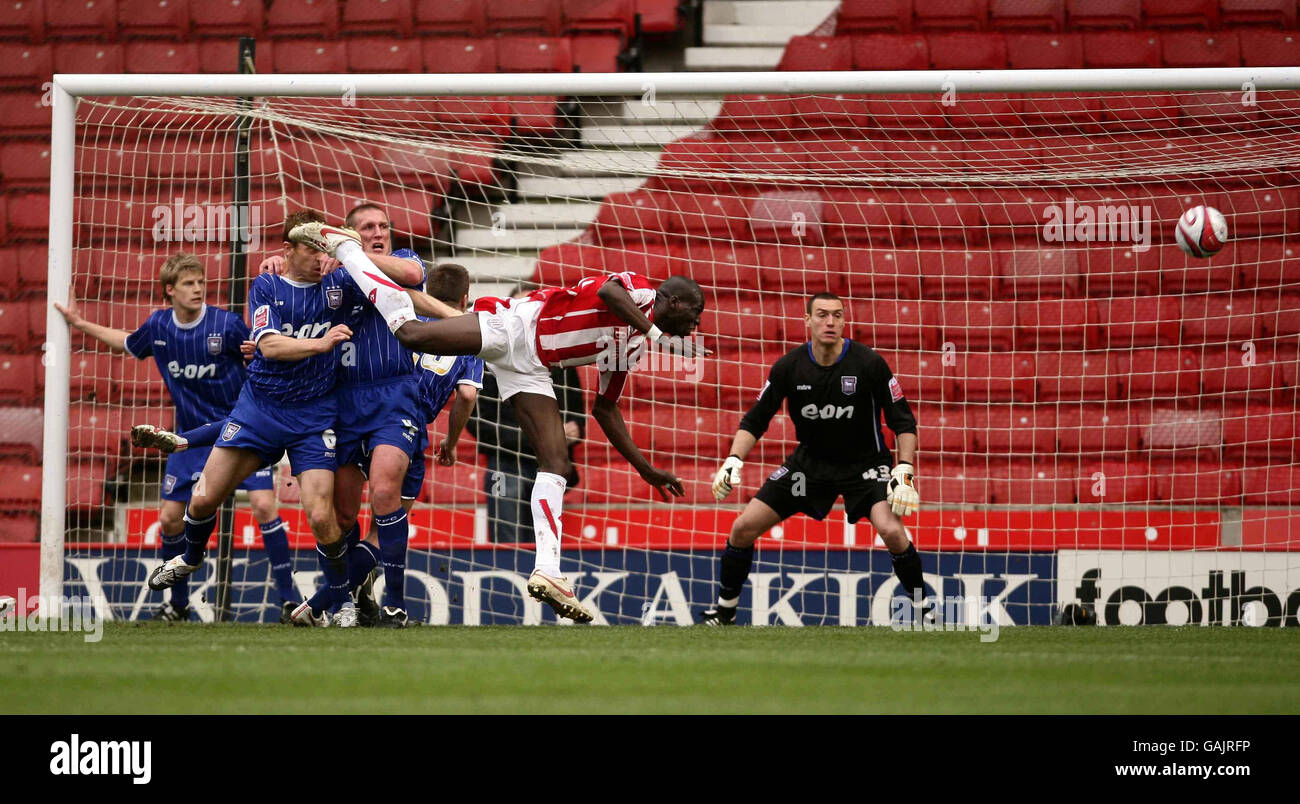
849	385
334	297
229	433
214	344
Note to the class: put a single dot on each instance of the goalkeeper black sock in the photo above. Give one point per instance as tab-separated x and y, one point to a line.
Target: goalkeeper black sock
907	566
736	562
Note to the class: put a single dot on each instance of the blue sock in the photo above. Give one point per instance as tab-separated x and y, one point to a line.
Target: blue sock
354	535
323	600
197	532
393	530
362	558
334	563
205	435
275	537
172	546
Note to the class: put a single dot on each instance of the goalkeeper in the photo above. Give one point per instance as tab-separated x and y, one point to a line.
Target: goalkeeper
836	391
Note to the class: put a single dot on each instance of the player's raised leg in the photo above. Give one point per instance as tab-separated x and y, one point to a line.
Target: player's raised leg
225	469
737	558
539	418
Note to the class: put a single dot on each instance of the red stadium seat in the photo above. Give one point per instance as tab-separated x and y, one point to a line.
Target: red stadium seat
33	267
25	115
540	16
9	273
972	325
19	528
25	165
956	274
968	51
1029	481
1248	370
629	217
304	56
947	428
1256	430
937	15
22	487
1034	15
862	215
1268	262
922	376
24	20
954	479
1076	376
1280	314
943	215
1159	373
90	19
456	55
1181	13
1271	485
658	16
1113	480
383	55
86	485
1220	318
97	430
1119	271
1100	429
891	52
18	378
302	19
1054	324
994	377
1263	48
88	57
387	17
595	53
1020	429
1189	481
1105	14
223	55
1137	321
1116	49
23	65
880	273
1173	429
889	324
818	53
914	114
874	15
534	54
1044	51
1033	273
29	216
161	57
1200	49
1258	211
1018	211
226	18
1258	12
460	17
705	215
168	19
584	16
792	217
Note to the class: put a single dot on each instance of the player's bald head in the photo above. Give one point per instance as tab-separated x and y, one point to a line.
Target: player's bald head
683	287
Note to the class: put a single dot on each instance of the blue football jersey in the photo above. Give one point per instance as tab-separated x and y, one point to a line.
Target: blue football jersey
298	310
440	374
200	361
374	353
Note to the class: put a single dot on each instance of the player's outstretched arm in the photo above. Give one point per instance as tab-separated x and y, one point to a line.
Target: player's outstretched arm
461	408
275	346
114	339
610	419
428	305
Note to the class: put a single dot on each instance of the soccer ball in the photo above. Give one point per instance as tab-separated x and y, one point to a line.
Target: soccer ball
1201	231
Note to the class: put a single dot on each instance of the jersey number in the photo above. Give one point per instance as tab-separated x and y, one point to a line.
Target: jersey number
192	371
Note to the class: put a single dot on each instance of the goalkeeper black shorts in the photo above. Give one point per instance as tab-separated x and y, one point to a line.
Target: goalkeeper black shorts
807	486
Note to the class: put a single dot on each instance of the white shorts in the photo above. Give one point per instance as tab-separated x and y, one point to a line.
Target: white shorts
510	350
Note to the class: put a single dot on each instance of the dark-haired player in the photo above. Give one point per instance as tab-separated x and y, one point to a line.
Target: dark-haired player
835	391
600	320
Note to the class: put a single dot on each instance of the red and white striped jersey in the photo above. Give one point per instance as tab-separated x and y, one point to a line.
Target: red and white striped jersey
574	326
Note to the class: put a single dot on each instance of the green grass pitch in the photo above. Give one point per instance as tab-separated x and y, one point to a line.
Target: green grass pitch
145	668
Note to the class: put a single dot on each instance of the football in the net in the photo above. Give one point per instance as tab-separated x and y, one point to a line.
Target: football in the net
1202	231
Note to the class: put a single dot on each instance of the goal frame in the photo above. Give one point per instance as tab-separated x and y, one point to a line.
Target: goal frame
65	89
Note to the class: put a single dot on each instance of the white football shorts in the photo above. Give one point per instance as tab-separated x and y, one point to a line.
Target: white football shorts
510	350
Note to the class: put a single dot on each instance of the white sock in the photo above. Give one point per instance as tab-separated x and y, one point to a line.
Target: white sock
389	299
548	498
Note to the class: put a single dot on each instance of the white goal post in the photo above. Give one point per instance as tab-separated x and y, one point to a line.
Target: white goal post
66	90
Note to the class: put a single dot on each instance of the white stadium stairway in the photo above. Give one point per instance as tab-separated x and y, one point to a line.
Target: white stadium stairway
751	34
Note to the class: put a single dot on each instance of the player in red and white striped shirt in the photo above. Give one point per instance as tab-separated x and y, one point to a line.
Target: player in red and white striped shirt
600	320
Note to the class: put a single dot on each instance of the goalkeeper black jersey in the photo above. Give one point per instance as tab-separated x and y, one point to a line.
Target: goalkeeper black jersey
836	409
